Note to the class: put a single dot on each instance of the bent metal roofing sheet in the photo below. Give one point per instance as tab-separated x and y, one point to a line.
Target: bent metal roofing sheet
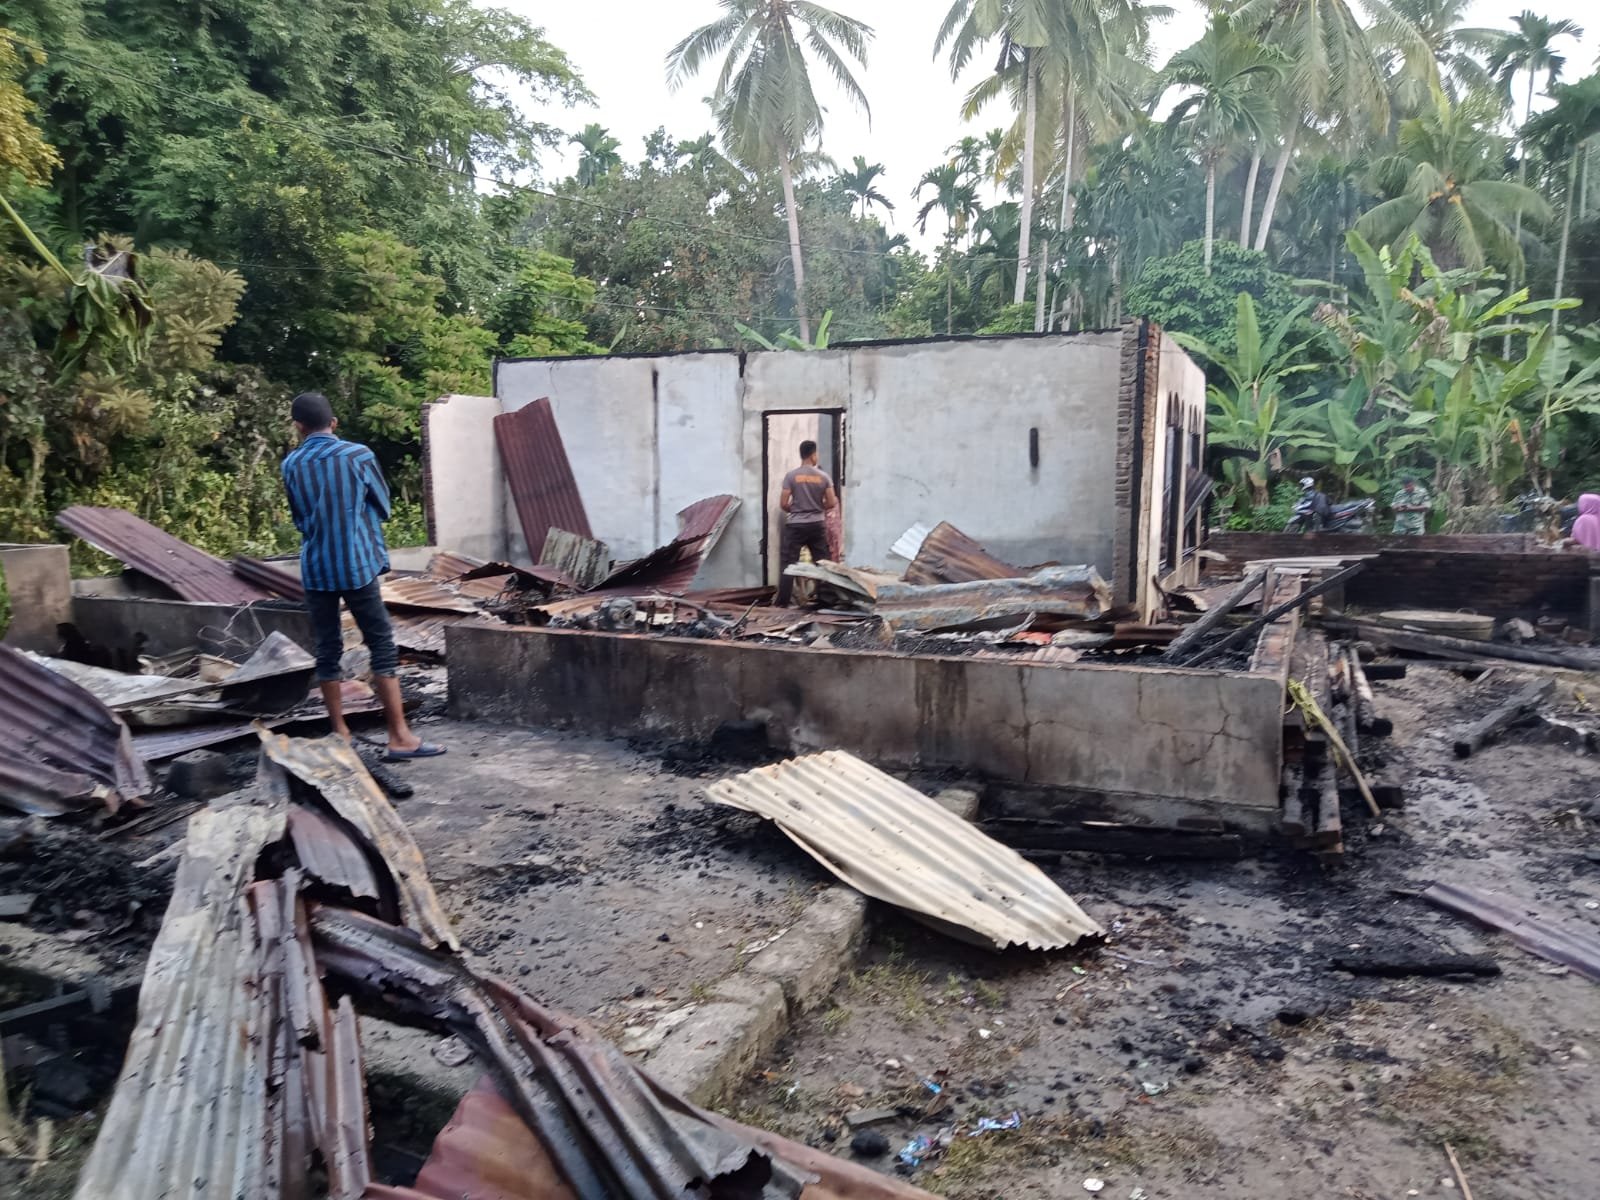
190	572
888	840
540	475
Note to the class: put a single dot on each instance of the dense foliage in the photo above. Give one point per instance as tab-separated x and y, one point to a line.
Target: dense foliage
1386	256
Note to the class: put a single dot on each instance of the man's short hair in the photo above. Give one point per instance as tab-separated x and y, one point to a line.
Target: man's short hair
807	448
312	410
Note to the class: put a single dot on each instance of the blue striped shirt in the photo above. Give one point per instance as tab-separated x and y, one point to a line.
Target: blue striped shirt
339	501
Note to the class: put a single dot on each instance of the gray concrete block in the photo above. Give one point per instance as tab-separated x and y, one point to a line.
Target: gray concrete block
963	802
706	1057
807	961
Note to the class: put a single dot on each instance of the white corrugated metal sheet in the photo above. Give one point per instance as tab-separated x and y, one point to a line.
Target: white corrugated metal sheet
910	542
893	843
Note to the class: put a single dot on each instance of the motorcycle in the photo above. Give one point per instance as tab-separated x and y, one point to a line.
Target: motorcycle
1353	516
1538	513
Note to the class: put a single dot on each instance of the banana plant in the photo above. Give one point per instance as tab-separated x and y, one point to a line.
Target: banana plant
1253	415
787	340
1364	448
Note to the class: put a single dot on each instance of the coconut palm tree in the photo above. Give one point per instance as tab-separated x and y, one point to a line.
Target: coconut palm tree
1335	73
599	155
1445	186
1529	48
1027	31
764	99
1230	76
860	180
1562	131
1453	50
705	157
956	195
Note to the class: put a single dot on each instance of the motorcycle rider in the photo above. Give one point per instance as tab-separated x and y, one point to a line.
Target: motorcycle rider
1410	504
1314	504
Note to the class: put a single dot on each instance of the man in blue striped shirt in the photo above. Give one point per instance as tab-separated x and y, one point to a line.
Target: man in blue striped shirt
340	501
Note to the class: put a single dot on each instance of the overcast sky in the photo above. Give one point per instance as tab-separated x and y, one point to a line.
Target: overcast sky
620	47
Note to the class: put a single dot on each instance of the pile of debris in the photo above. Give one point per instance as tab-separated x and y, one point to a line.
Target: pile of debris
82	736
307	901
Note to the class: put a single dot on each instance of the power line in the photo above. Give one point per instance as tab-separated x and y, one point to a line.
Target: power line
438	168
526	290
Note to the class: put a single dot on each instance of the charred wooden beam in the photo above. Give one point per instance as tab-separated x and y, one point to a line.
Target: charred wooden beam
1474	737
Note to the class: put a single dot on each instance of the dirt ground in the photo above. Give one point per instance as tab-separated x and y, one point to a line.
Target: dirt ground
1207	1050
1210	1049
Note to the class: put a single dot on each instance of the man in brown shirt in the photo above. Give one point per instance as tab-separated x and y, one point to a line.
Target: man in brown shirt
807	498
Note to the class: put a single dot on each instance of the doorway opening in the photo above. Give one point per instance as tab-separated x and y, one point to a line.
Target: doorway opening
782	432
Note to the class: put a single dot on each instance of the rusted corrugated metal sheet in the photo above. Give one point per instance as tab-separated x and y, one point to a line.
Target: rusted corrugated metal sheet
540	575
422	633
543	488
487	1152
672	568
50	722
707	519
609	1131
1055	591
1579	950
30	787
947	555
333	769
316	1051
193	1109
328	853
190	572
890	841
448	566
270	577
414	592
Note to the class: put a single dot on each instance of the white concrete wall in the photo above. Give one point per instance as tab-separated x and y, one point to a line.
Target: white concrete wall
938	431
466	503
933	431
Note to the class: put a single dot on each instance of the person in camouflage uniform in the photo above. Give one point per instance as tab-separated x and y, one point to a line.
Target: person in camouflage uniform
1411	504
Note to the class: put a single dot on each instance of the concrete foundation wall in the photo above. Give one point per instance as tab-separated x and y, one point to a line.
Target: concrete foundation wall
130	626
1212	739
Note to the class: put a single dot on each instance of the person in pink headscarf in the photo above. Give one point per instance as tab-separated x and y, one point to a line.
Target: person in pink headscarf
1586	529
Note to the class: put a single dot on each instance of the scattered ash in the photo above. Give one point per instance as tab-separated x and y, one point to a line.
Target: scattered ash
707	836
511	880
83	883
735	743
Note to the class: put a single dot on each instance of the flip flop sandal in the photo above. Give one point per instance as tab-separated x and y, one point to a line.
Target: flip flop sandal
426	750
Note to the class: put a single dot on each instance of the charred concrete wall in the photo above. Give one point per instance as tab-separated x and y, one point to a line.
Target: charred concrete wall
1211	741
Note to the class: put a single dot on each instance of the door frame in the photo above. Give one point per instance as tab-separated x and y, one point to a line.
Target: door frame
838	416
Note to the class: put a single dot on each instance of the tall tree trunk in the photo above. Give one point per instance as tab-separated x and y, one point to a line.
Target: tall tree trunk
1070	122
1211	207
1250	195
950	282
1566	236
1270	209
1038	300
1030	135
792	211
1583	180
